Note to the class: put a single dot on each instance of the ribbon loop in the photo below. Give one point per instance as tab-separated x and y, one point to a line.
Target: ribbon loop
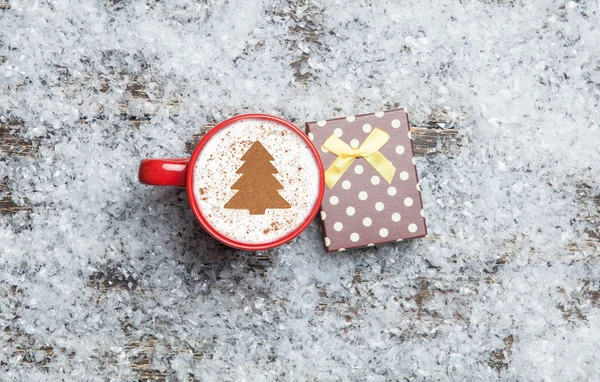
369	150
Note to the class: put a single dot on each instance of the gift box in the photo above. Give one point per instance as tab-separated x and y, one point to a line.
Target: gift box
372	194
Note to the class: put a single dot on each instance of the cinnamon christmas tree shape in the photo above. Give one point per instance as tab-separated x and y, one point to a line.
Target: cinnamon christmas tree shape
257	186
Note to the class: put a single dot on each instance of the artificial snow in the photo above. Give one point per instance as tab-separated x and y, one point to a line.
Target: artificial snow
107	279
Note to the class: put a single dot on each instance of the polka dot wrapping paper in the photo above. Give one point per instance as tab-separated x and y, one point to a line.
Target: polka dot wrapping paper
362	208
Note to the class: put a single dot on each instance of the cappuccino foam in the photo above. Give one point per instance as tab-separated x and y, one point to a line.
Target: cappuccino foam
215	172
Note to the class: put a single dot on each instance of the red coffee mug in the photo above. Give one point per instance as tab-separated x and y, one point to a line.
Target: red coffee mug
179	172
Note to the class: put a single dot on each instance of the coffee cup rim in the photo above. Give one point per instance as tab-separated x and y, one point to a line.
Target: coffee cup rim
204	222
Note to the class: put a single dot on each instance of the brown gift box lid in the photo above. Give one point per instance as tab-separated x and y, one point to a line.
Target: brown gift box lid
362	209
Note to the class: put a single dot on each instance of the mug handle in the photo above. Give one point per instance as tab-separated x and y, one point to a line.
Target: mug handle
164	172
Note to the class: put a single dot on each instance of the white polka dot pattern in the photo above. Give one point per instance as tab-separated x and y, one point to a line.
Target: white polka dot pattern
363	209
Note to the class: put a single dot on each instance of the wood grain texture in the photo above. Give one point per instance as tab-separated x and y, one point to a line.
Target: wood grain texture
590	204
11	144
304	34
7	206
426	140
499	358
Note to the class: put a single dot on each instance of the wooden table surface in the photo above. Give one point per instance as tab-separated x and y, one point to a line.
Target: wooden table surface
435	136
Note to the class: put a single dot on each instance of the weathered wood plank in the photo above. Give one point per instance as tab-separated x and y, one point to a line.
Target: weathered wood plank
499	358
591	205
426	140
112	278
7	206
304	34
12	144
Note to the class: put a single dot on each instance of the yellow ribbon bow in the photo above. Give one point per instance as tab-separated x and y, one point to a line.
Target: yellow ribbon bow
368	150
